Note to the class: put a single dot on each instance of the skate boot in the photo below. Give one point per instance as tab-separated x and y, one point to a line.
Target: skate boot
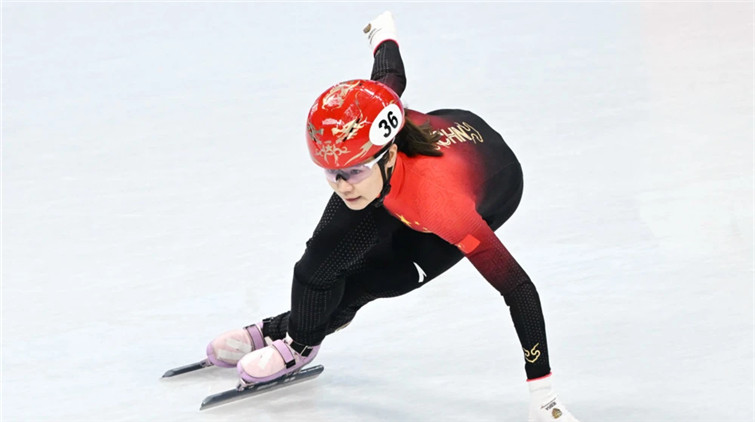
226	349
545	405
281	358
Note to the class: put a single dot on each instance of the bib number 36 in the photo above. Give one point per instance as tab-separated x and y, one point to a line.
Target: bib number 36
386	125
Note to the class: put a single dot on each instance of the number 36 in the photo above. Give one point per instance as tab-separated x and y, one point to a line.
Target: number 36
389	124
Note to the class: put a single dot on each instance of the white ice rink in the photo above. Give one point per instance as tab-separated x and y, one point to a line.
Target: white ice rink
156	191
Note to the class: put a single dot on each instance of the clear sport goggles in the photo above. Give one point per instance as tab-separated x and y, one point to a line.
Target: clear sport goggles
354	174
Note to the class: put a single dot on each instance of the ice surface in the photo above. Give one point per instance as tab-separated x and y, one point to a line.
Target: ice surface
156	192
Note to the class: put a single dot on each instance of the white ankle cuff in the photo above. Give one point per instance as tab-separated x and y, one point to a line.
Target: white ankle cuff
541	385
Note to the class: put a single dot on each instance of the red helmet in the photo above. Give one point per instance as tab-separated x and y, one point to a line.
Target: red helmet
351	122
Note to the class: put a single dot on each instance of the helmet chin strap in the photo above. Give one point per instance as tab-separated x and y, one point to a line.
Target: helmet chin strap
385	174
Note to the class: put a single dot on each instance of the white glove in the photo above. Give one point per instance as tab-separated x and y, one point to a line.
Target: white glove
380	29
545	405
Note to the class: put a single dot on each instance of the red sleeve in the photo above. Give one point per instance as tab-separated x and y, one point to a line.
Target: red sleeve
453	217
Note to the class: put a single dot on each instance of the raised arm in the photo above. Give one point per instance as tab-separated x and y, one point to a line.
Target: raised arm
388	67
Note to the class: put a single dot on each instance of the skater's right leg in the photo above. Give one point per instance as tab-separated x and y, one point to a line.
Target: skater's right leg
285	356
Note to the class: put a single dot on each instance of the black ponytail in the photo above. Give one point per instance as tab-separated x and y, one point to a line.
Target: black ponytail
415	140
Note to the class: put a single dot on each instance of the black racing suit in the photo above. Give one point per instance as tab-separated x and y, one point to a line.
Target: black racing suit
354	257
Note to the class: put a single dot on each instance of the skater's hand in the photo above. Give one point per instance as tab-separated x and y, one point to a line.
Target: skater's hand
380	29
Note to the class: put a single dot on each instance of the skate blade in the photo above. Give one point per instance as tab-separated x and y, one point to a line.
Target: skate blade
245	391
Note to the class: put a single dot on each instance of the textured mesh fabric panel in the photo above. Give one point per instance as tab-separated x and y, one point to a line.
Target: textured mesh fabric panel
277	326
527	315
337	248
331	209
343	315
388	67
347	255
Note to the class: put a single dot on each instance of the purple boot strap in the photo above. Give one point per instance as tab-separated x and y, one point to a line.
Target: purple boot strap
285	353
255	332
